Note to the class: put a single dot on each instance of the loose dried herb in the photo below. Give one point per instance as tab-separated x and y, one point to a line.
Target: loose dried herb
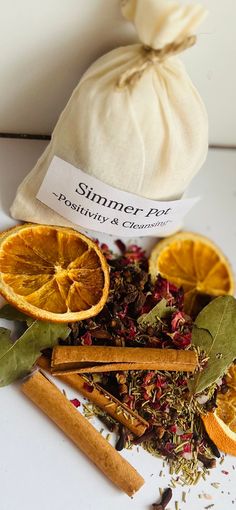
17	359
131	296
214	333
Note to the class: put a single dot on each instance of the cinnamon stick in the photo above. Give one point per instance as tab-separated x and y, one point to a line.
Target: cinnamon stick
103	399
60	410
84	359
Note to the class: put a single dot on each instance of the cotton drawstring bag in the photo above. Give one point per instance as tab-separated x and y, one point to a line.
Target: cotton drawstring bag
135	121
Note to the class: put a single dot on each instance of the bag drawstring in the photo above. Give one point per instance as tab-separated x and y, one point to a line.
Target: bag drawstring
150	56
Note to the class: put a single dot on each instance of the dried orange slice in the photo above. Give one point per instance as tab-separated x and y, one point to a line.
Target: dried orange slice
221	425
194	262
52	273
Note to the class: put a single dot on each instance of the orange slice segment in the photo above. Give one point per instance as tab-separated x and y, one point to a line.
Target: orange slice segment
194	262
226	403
52	273
221	425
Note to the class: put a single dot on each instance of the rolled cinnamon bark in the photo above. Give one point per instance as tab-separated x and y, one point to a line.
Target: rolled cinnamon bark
103	399
56	406
84	359
109	367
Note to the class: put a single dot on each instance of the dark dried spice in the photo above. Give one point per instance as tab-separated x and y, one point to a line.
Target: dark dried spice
100	333
120	245
211	445
207	463
88	387
165	499
120	445
211	405
224	388
145	437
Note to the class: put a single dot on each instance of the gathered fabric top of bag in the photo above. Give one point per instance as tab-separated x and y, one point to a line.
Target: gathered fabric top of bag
165	28
135	120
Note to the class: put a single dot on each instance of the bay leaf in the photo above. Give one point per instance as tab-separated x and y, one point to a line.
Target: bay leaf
10	313
160	311
18	358
214	332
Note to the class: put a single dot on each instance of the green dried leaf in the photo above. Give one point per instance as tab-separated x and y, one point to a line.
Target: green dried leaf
17	359
159	312
10	313
214	333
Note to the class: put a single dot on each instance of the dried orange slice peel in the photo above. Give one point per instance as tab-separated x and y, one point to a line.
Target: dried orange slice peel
52	273
194	262
221	425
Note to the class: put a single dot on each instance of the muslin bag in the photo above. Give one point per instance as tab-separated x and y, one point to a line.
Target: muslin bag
135	120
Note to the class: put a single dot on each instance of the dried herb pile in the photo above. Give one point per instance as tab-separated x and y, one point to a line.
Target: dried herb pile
132	295
139	313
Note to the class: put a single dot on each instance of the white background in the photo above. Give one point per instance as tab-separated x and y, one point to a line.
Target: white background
47	45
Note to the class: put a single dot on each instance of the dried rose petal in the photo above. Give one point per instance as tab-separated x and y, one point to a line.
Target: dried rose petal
187	436
182	341
160	382
86	339
187	448
148	377
75	402
169	446
88	387
134	254
178	319
122	314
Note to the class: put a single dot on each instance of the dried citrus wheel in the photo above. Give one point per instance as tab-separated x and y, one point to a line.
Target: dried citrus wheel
221	425
194	262
52	273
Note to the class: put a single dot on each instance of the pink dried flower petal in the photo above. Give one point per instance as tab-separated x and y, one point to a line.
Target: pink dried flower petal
88	387
169	446
122	314
134	254
148	377
132	330
182	340
178	319
86	339
75	402
160	382
187	448
186	436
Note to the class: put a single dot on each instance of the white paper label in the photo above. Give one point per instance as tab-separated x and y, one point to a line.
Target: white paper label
92	204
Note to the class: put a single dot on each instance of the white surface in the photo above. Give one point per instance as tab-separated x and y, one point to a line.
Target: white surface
39	467
47	45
